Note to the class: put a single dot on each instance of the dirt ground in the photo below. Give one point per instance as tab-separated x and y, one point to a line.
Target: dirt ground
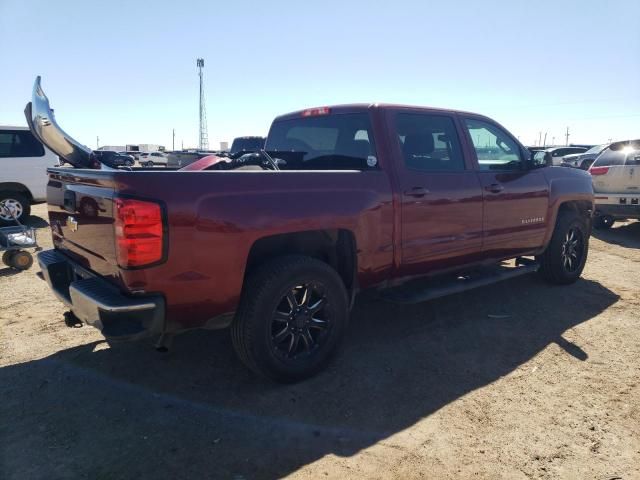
515	380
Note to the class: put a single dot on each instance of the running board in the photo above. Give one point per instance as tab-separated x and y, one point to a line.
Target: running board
420	291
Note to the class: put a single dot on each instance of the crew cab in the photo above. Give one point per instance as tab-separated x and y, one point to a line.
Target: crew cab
276	245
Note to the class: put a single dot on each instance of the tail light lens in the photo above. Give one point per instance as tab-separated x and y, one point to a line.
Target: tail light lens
138	232
599	170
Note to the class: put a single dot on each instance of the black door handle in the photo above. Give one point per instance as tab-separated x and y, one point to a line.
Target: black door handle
494	188
416	192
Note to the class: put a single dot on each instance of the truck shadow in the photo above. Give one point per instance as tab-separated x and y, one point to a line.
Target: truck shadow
196	412
626	235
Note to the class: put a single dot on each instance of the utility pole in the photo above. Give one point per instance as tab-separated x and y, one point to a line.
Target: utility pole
97	142
204	138
545	139
540	139
553	141
173	142
567	137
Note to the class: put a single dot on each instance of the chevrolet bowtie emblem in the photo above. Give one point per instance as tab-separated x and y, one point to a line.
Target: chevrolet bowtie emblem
72	223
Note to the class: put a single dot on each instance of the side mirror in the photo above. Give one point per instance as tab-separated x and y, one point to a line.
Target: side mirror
534	162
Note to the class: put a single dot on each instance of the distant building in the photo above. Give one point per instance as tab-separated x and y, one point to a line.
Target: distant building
135	147
224	146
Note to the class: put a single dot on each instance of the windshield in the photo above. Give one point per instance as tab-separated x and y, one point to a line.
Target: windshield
327	142
596	149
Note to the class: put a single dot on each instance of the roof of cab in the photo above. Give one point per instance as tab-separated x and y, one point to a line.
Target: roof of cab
361	107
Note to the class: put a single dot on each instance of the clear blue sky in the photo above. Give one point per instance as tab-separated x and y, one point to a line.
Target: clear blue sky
126	71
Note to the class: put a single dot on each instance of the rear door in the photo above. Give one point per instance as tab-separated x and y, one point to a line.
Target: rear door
516	198
440	195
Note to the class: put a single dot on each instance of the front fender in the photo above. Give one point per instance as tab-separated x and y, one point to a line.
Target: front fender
567	185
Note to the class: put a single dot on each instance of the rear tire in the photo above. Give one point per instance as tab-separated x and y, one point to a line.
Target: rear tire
18	203
21	260
6	258
603	222
564	259
291	318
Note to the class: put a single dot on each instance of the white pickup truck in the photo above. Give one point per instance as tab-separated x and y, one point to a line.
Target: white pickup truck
23	172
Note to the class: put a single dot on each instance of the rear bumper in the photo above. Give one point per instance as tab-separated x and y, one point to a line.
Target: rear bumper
618	206
98	303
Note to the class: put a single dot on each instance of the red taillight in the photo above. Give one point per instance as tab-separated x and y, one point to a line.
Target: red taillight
138	231
598	170
312	112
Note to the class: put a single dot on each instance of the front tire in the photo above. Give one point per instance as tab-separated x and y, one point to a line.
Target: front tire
565	257
16	204
292	316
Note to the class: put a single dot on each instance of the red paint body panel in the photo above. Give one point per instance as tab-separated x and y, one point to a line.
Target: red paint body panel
213	218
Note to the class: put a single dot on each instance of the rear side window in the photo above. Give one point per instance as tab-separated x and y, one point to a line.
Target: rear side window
324	142
619	157
19	143
429	142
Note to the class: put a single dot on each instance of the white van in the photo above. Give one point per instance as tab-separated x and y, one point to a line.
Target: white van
23	172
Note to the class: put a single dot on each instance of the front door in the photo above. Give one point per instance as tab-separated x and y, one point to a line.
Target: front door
441	198
516	197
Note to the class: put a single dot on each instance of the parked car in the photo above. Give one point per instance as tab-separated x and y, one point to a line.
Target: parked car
616	183
23	178
243	145
583	160
113	159
131	156
344	199
150	159
555	155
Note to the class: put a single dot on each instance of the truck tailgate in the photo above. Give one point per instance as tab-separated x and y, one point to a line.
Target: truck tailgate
81	218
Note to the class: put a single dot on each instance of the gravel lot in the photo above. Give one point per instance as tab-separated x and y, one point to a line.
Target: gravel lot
514	380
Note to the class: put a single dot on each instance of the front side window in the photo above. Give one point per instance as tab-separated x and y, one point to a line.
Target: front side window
323	142
495	149
429	142
19	143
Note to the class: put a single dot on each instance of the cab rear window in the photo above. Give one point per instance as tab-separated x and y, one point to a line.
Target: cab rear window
324	142
19	143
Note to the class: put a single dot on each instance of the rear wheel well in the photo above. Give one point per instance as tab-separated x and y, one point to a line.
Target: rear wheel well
336	247
16	187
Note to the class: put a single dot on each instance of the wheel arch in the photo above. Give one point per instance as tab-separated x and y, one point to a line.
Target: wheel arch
16	187
336	247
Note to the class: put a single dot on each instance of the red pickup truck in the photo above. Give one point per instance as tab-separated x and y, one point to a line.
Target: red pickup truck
276	244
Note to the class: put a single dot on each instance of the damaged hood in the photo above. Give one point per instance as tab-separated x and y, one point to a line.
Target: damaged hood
44	127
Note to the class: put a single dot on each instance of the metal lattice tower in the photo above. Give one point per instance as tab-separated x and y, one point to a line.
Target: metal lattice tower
204	137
